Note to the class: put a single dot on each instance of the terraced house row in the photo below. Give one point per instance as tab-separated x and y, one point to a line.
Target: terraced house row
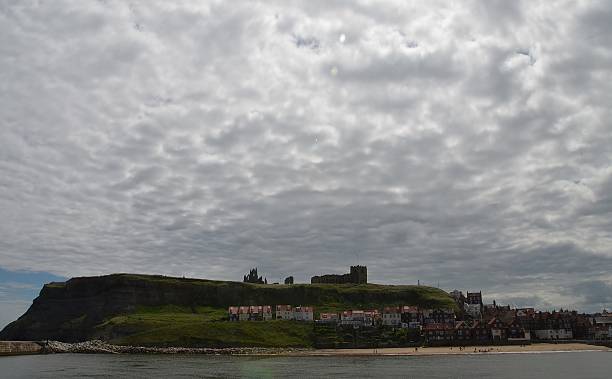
264	313
472	321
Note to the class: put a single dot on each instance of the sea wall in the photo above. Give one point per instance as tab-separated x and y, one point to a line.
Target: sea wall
19	347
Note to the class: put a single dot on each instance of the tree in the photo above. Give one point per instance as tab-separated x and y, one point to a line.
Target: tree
252	277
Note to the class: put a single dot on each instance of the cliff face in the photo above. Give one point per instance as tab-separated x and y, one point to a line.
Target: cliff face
74	310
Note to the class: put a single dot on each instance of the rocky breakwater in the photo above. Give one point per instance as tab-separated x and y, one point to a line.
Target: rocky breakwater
101	347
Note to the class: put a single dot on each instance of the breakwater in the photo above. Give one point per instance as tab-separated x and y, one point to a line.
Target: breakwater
20	347
101	347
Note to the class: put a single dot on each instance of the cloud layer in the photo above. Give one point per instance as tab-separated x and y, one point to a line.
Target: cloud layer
467	144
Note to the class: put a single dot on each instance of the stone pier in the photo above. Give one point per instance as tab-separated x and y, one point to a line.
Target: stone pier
20	347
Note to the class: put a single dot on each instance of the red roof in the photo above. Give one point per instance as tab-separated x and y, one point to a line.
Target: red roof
410	309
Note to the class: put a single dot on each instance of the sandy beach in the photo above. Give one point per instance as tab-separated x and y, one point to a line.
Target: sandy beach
535	348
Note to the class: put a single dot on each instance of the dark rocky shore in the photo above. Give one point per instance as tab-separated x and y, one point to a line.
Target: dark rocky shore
101	347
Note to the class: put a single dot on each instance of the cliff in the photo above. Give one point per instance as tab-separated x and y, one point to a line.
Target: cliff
158	310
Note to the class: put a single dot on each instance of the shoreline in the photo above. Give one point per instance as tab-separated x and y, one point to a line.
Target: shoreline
101	347
538	348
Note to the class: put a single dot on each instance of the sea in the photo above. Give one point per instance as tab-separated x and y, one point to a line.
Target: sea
558	365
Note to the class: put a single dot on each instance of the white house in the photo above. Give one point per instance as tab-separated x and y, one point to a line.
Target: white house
392	316
243	313
554	334
284	312
267	313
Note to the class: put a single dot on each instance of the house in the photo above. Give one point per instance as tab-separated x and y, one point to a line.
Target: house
440	333
243	313
303	313
255	313
411	315
371	317
233	313
328	318
267	313
392	316
284	312
463	332
554	334
427	316
480	332
473	310
525	312
516	332
497	329
353	317
443	316
600	332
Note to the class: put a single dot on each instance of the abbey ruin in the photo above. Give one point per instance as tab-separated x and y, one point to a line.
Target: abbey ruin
358	275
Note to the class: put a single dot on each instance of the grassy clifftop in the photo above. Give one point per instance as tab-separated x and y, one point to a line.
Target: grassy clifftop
159	310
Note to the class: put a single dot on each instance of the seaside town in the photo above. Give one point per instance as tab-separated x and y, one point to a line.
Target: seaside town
471	322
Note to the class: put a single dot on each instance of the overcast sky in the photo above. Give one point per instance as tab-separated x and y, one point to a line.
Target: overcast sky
462	143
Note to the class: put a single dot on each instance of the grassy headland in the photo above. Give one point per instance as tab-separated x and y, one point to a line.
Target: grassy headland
165	311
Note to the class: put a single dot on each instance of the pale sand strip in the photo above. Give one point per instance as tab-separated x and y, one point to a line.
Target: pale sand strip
535	348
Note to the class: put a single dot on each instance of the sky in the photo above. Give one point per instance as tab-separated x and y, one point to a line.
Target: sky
460	144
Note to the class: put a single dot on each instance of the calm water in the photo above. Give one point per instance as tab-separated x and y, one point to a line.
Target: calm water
545	365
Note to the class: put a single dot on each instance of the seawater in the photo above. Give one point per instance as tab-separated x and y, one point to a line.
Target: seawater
532	365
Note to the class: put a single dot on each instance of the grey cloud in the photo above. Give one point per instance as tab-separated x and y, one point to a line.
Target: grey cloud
209	138
595	293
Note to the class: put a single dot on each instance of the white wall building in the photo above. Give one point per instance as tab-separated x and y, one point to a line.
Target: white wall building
284	312
392	316
554	334
303	313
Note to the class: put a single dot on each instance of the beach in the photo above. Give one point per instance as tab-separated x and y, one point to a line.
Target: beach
511	349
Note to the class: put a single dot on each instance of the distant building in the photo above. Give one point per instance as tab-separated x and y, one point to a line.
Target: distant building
392	316
353	317
255	313
243	313
233	313
463	332
443	316
284	312
303	314
498	329
328	318
411	315
554	334
371	317
474	298
289	280
267	313
439	333
516	332
358	275
473	310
